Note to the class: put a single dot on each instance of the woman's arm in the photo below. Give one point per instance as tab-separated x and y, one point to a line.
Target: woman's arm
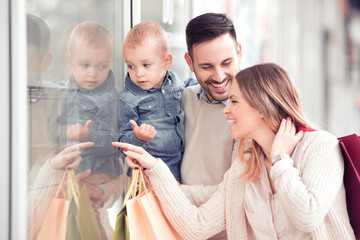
190	221
309	189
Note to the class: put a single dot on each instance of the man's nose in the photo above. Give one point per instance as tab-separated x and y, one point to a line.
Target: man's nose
219	74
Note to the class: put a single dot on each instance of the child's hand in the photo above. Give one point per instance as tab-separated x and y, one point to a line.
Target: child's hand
145	132
78	132
286	138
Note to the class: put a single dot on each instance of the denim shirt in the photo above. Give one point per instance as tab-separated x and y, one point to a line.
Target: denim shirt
100	106
160	108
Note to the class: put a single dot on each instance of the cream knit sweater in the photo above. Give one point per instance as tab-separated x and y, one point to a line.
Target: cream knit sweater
312	191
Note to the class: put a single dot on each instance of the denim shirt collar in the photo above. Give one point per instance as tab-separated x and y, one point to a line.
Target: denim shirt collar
136	90
202	93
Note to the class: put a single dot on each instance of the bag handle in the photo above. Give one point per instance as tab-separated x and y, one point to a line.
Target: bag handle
132	188
74	187
61	184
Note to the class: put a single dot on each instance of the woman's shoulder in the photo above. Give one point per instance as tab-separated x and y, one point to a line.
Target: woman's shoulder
319	140
319	136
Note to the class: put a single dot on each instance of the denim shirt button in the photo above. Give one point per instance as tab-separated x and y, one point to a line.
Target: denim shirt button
144	145
169	113
149	107
163	91
84	107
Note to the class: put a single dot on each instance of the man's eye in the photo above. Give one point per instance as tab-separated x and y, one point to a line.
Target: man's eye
206	67
227	62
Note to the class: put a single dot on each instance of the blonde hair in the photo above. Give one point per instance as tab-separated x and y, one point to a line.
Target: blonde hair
268	88
92	34
144	32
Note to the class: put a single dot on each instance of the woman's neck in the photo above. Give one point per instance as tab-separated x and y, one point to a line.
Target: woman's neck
265	139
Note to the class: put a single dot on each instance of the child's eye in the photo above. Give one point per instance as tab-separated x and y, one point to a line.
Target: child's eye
84	65
147	65
101	67
130	67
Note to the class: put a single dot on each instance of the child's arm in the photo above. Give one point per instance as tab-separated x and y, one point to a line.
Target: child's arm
78	132
129	131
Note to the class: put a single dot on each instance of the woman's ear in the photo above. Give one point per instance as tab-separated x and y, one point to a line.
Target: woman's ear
261	115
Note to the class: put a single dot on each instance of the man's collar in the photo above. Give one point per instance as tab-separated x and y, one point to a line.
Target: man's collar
202	93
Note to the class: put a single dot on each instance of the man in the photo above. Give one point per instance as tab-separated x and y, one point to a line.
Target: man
214	56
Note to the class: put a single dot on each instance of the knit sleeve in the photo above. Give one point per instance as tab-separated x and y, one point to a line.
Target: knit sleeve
309	189
190	221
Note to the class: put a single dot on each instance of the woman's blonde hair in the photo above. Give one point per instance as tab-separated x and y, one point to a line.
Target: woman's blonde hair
268	88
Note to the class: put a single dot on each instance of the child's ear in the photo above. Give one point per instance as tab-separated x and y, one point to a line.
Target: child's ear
168	61
68	59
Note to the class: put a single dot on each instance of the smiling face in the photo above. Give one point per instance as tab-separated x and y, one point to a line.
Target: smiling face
244	120
147	64
215	63
90	64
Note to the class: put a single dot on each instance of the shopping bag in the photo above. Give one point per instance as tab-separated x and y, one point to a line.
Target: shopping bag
121	231
54	225
145	217
82	223
350	146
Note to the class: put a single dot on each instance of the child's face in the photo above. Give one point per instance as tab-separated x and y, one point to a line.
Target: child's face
147	64
90	65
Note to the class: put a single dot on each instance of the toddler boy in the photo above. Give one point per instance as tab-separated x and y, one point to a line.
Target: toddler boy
149	107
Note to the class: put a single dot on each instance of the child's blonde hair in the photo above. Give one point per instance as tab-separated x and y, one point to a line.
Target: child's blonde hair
92	34
146	31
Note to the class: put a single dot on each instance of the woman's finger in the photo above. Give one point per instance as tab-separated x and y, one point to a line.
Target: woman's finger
131	163
75	163
128	147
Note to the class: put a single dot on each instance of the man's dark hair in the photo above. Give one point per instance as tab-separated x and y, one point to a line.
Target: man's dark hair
38	33
207	27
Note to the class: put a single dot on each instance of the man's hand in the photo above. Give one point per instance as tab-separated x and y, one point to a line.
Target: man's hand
78	132
145	132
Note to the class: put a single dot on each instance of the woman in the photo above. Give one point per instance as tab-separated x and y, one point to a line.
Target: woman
289	185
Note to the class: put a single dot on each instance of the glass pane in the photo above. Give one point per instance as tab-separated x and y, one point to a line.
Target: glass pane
173	15
72	99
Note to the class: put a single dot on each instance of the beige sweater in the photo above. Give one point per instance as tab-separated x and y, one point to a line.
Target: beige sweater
313	193
208	143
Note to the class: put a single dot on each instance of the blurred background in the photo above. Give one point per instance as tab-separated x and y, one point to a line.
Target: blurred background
316	41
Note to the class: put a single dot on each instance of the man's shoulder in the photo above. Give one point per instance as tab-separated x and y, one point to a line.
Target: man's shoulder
192	90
